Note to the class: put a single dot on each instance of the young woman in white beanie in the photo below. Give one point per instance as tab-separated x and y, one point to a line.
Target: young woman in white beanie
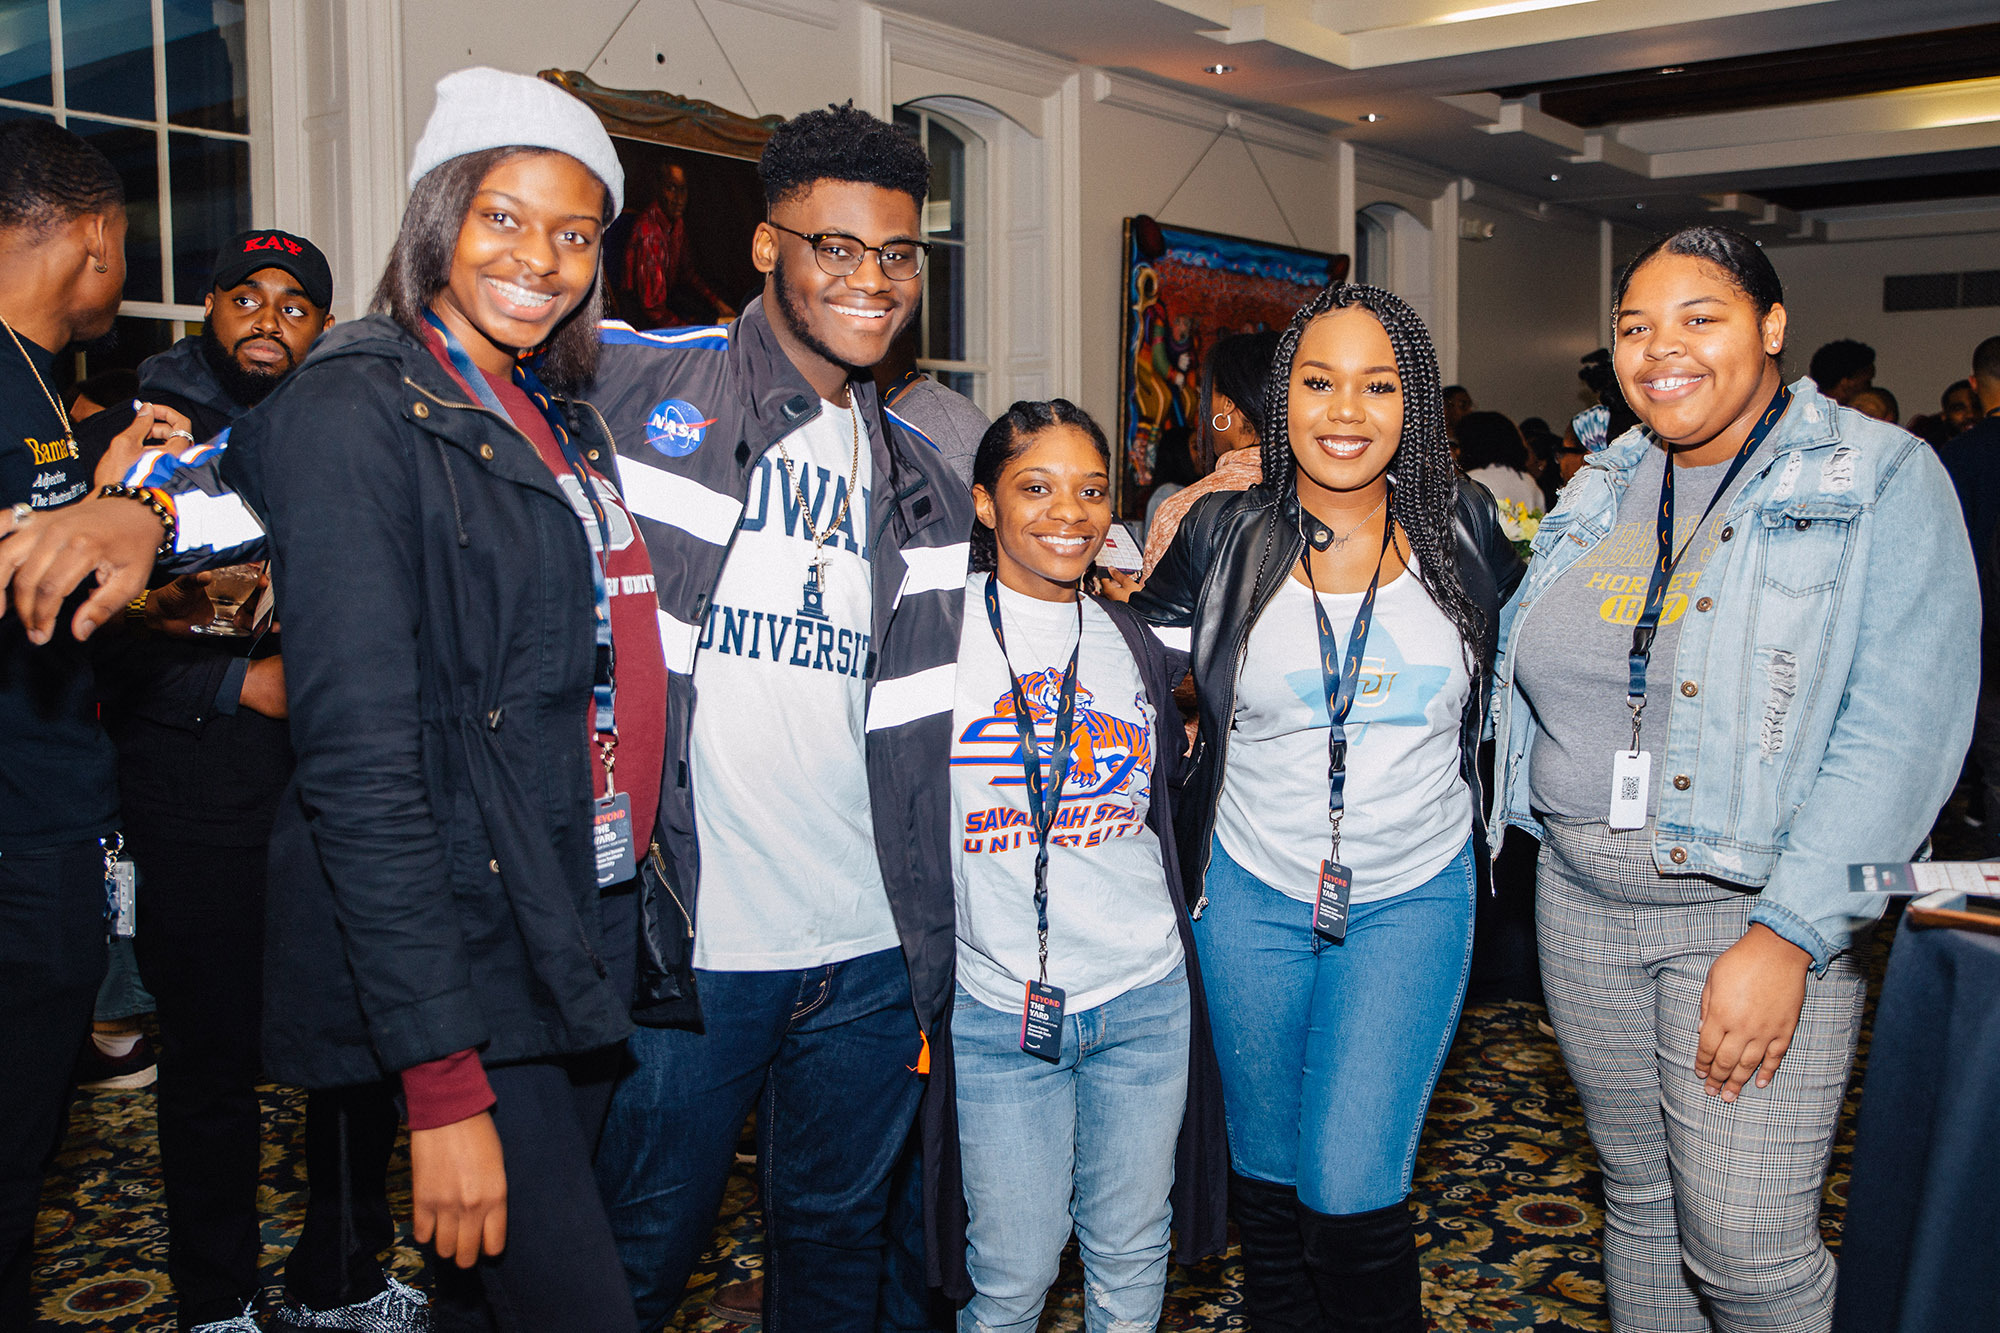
477	697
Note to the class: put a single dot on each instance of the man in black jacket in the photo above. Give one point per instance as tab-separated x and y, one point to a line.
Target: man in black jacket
203	756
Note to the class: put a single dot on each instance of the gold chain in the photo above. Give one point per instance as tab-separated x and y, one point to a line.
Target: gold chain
69	432
820	537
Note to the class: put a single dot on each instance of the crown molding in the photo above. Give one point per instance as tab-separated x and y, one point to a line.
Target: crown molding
1151	99
819	13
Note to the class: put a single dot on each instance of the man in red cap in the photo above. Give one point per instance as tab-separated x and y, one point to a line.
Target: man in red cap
203	756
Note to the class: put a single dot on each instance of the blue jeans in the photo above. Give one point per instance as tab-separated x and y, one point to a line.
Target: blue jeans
1087	1141
827	1055
122	995
1330	1052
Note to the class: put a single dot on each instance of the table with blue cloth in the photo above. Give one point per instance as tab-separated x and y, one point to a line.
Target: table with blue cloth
1919	1252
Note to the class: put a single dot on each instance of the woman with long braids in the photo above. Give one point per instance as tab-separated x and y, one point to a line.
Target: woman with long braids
1746	656
1343	615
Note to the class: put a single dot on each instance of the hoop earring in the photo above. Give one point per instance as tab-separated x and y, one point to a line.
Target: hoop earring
101	267
1221	421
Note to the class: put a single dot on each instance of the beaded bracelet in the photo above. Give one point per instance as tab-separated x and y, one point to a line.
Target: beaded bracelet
115	491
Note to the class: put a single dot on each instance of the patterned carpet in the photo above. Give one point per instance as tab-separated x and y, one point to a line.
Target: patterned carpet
1507	1193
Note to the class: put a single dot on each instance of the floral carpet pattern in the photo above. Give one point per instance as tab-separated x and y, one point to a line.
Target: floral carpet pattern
1507	1197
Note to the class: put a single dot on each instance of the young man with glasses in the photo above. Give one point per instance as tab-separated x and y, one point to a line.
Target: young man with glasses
810	548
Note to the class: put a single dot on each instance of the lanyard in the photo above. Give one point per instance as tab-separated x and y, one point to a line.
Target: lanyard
1042	805
604	689
1341	687
1667	558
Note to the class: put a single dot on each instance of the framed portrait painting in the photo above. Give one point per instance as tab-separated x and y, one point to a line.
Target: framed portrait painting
1184	289
679	252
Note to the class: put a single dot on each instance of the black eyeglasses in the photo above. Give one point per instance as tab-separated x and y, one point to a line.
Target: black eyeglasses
838	255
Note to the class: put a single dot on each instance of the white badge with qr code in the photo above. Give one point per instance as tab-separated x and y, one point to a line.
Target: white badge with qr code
1631	775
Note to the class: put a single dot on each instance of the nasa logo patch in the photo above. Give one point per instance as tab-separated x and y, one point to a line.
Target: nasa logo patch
676	428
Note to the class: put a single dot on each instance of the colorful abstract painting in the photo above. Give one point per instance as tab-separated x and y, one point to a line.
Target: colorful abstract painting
1184	289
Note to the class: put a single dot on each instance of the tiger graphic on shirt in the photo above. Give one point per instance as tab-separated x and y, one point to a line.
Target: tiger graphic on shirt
1111	763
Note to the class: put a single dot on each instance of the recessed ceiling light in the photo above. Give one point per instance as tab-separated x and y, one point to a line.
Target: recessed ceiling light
1673	69
1370	117
1218	69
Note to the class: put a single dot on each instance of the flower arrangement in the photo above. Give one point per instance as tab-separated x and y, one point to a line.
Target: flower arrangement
1520	523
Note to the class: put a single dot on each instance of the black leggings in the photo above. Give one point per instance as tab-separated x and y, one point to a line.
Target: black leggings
560	1269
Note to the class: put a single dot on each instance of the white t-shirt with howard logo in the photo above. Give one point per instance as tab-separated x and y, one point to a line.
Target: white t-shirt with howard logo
789	873
1111	923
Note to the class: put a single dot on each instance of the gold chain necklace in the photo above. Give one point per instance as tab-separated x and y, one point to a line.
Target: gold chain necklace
69	433
815	579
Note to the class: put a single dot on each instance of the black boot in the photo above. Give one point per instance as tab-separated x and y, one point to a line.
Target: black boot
1277	1295
1364	1268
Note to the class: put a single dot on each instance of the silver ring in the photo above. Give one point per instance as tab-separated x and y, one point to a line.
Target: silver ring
185	435
21	511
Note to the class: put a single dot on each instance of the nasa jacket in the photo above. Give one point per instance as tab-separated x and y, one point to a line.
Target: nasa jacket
692	412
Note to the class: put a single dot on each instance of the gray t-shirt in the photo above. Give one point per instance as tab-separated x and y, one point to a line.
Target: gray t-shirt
1571	658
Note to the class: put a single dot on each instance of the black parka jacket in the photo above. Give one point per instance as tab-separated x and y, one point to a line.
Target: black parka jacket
1233	551
432	881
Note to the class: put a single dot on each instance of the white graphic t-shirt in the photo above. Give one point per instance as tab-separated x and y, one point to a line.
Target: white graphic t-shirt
1407	809
789	873
1111	922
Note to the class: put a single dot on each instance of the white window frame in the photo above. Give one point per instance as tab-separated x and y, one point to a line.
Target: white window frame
974	285
180	316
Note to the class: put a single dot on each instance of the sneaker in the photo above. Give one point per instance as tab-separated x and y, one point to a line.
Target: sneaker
242	1323
397	1308
137	1068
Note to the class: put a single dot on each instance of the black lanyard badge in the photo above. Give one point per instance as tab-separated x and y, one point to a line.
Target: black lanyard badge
1341	679
1631	770
1042	1010
611	816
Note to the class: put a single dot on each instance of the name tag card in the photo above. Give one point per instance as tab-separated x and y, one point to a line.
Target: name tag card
1042	1021
1631	781
123	886
611	838
1336	885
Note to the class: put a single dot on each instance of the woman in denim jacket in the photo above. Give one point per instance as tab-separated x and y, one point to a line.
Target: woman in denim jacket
1805	699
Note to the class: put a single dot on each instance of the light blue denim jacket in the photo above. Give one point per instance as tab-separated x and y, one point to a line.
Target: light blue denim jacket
1826	684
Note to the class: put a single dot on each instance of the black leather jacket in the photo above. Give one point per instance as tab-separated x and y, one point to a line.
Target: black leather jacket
1217	579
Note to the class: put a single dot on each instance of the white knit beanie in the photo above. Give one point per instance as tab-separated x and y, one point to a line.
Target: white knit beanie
484	108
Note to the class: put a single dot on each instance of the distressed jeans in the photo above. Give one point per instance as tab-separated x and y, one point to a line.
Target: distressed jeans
1086	1142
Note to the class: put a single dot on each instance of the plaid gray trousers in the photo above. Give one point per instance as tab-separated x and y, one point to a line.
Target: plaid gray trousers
1711	1208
